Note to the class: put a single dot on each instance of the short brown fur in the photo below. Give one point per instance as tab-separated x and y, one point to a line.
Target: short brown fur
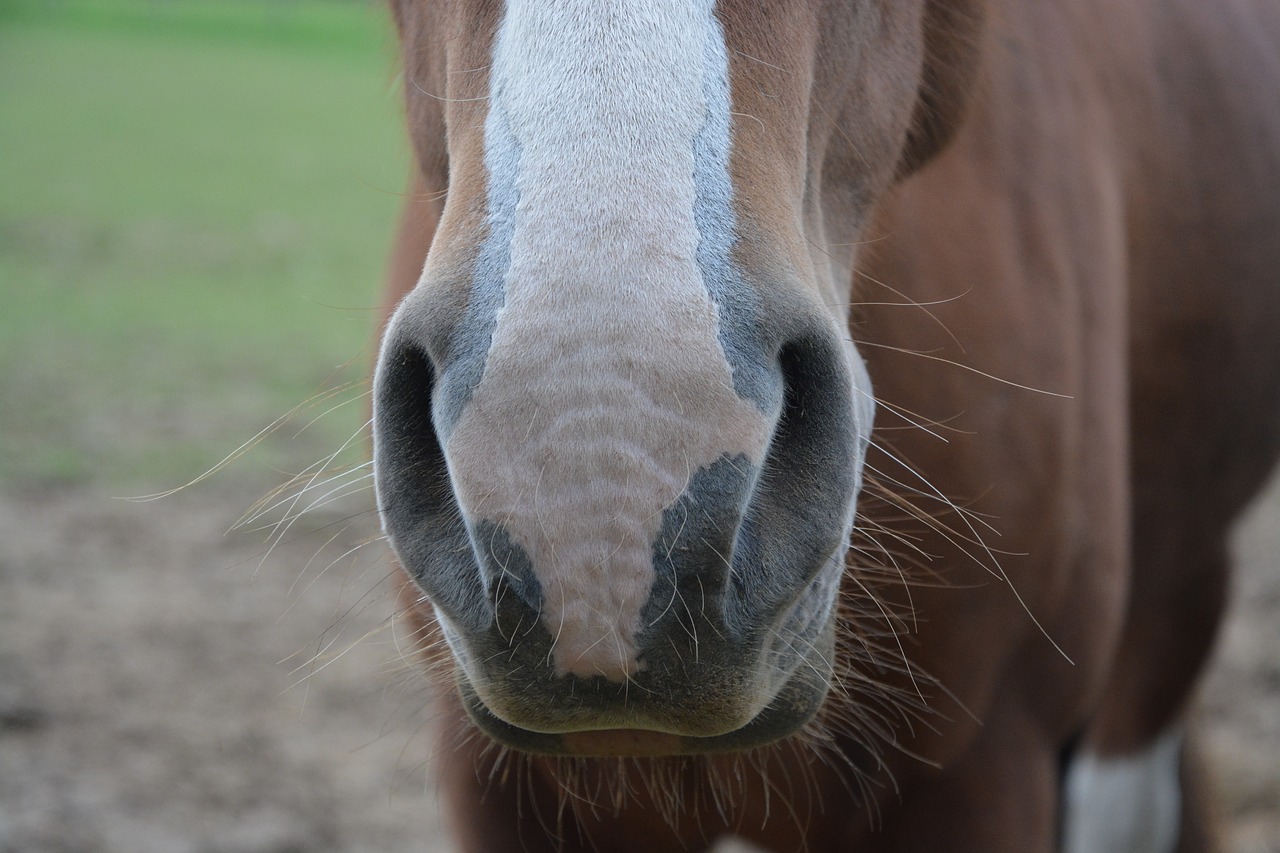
1086	195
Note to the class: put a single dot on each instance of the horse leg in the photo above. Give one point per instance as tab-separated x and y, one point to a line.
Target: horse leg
1204	409
1132	786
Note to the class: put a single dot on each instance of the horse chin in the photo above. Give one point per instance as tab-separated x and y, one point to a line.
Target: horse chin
785	715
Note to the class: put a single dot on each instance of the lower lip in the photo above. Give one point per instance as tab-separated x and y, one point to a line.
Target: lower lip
610	743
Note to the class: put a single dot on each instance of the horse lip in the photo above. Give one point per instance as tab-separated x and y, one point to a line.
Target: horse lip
791	709
621	743
767	727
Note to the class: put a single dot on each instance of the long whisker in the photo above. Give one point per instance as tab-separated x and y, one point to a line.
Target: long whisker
948	361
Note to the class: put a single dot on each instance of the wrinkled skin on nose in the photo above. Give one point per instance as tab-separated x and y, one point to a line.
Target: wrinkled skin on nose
621	464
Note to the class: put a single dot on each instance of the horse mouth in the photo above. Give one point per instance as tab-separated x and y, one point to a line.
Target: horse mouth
791	709
613	743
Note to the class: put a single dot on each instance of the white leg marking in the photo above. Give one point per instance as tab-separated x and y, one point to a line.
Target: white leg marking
1130	804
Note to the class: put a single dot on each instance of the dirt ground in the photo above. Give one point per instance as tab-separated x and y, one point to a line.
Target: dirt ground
158	693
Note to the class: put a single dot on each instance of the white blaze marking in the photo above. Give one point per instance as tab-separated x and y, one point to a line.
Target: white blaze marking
605	387
1126	804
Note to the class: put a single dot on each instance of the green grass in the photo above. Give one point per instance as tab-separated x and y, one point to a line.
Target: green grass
196	199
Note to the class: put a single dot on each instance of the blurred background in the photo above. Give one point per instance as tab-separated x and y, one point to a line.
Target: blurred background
196	200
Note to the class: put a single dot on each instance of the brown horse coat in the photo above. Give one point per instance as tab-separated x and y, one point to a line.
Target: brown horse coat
1066	291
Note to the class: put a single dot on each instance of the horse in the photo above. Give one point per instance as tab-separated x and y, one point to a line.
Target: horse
820	422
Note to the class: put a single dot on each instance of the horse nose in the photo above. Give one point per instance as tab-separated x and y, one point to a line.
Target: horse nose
595	507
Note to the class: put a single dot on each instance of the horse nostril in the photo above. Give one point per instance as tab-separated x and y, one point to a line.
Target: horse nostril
801	512
818	419
409	461
403	430
420	514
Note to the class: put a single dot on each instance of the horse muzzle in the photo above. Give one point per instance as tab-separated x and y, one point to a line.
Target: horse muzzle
627	540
